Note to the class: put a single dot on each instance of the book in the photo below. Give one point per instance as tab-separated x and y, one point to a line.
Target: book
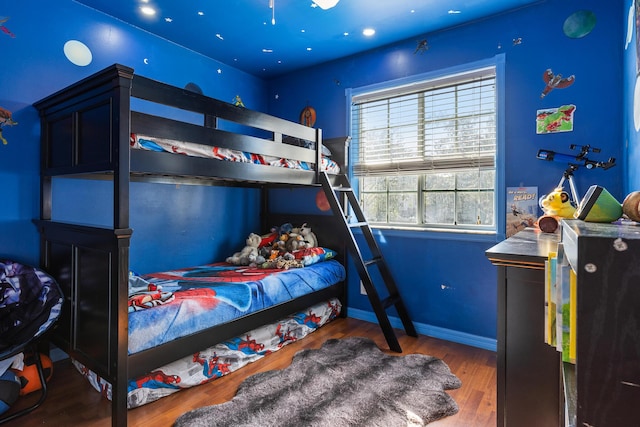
522	208
573	311
550	294
564	301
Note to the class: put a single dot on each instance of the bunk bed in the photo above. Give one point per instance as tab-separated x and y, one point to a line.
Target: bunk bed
92	130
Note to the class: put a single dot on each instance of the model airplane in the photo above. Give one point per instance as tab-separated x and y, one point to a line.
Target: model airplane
4	29
5	120
555	81
422	46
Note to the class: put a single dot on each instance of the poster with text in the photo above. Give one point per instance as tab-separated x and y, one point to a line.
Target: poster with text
522	208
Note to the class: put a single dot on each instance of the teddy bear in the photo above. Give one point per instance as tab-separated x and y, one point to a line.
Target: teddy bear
248	254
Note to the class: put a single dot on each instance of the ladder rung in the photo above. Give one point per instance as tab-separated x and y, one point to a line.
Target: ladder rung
341	196
390	300
372	261
358	224
342	189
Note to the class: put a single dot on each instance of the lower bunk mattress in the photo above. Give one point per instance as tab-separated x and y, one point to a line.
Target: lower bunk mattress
168	305
221	359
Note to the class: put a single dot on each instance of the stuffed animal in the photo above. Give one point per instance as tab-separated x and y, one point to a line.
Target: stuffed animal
283	262
295	242
555	205
249	253
308	236
286	264
285	228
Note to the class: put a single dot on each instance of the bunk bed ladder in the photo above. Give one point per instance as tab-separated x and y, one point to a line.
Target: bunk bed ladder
340	197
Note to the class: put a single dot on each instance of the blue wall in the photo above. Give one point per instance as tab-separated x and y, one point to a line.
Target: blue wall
34	66
445	278
448	283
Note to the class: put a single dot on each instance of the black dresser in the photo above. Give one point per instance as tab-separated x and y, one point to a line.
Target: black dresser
528	370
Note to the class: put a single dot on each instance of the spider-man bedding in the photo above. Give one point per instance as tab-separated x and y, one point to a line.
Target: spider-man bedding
220	359
165	306
202	150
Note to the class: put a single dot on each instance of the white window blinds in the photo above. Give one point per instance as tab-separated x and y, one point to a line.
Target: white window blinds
448	123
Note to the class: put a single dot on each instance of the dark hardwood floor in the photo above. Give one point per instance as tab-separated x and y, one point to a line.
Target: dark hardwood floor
73	402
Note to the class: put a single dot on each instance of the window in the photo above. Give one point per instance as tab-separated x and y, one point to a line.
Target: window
424	153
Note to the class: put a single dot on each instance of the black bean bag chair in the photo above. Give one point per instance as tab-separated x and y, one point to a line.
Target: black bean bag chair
30	304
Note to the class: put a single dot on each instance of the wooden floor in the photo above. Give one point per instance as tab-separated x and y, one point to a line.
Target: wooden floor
73	402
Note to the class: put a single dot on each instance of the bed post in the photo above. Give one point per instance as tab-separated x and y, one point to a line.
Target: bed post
85	130
121	128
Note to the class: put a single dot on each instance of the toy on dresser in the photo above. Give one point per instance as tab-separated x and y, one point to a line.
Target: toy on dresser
555	205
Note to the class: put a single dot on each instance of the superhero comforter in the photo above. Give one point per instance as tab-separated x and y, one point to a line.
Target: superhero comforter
201	150
220	359
168	305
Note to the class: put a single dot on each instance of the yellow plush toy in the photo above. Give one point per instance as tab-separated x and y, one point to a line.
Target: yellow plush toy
555	205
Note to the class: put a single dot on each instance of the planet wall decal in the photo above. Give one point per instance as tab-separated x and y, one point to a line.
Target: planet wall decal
321	201
78	53
579	24
192	87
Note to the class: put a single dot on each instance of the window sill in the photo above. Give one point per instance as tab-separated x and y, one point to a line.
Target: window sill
434	233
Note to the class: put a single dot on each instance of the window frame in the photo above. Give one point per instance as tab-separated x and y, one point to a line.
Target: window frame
423	82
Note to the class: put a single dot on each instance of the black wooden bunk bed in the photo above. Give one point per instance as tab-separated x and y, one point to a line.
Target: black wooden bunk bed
86	132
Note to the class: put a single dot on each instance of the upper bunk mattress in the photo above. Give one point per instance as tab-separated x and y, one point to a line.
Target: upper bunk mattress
202	150
168	305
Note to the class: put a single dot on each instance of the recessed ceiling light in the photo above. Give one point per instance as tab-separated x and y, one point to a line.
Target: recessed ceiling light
368	32
267	50
303	31
325	4
147	10
219	36
201	13
309	49
345	33
168	20
453	12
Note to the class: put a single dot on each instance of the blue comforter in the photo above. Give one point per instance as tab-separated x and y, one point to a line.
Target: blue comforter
192	299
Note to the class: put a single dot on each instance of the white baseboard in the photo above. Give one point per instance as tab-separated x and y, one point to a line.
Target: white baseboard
430	331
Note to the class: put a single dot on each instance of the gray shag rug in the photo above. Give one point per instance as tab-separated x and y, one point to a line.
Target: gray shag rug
347	382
